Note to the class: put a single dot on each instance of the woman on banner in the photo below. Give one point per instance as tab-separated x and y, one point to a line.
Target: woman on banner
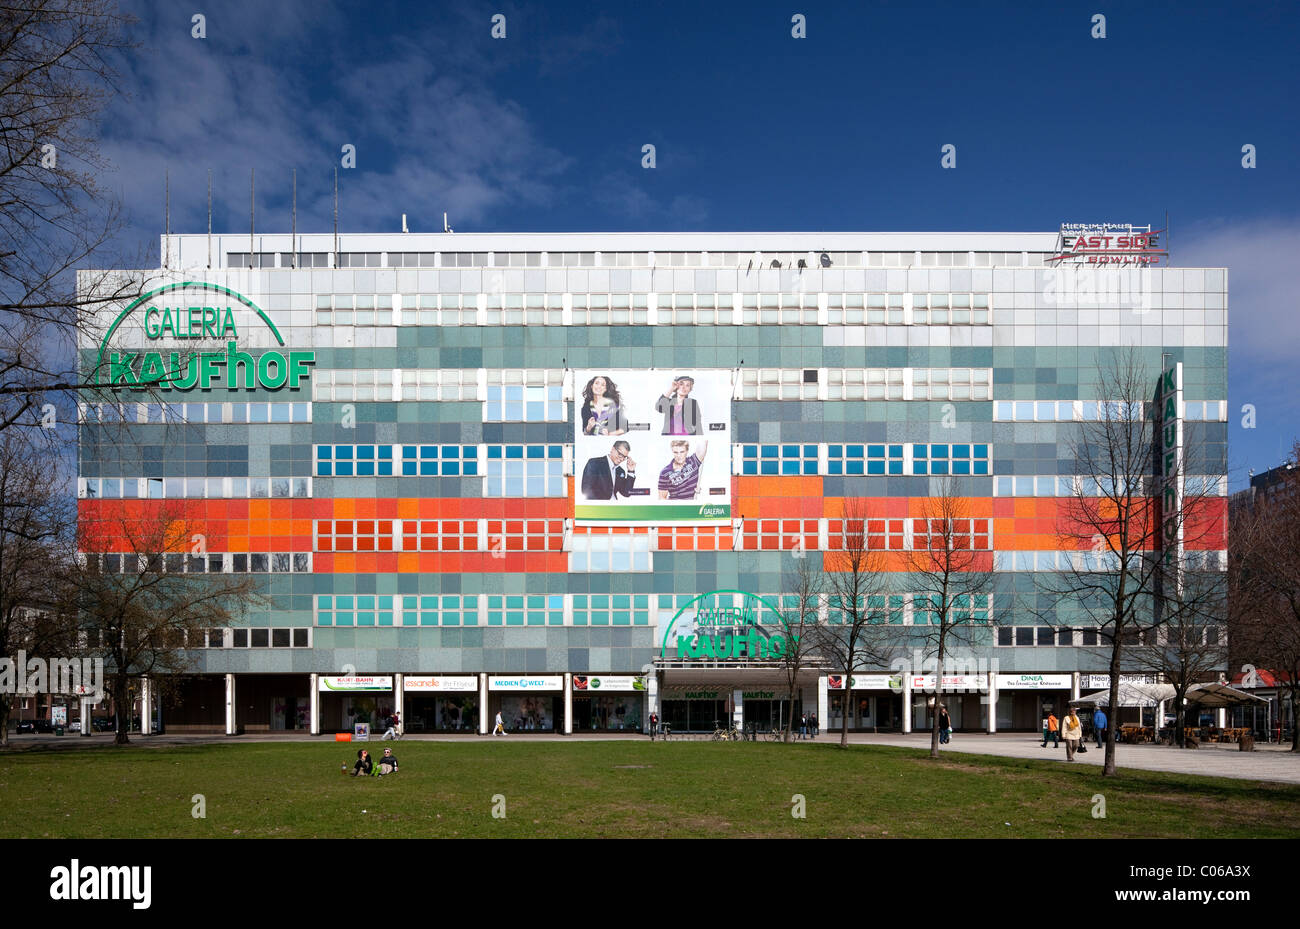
602	408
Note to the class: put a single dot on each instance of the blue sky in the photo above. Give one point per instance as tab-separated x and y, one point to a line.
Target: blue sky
754	129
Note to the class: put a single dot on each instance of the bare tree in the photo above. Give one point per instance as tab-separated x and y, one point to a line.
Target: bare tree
56	76
1192	647
1116	573
134	606
1264	570
33	512
856	636
800	610
950	574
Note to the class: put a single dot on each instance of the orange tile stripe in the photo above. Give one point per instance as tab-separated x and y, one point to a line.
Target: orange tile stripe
286	525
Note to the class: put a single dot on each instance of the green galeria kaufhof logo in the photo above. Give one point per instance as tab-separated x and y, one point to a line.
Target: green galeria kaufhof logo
193	333
727	624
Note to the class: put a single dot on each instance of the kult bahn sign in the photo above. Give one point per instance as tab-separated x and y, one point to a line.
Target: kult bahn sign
184	323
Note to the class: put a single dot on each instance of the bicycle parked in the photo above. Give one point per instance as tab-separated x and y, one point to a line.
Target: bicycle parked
728	734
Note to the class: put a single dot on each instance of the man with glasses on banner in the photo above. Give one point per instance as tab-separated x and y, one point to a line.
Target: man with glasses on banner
610	476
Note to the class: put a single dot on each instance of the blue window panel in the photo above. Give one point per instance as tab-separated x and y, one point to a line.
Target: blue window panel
408	468
810	467
875	467
493	411
895	451
494	451
832	467
580	617
428	468
323	451
981	451
450	451
961	467
534	411
385	619
810	451
365	469
514	412
789	451
343	451
385	469
920	451
938	451
981	467
325	602
365	619
514	617
768	467
555	451
514	487
855	451
769	451
344	603
835	451
343	469
468	451
895	467
536	451
408	451
750	467
428	451
751	451
385	451
875	451
919	467
324	619
855	467
939	467
961	451
343	619
514	451
789	467
366	451
322	469
450	469
471	469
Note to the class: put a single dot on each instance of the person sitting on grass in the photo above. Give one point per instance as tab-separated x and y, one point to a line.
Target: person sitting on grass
388	764
365	766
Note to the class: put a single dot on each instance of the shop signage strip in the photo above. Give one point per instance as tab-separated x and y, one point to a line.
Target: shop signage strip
526	683
356	684
418	684
607	682
1033	681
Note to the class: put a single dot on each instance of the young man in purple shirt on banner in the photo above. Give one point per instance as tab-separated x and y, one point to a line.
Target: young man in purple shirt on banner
681	479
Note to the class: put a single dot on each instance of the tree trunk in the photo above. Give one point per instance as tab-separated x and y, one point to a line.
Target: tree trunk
122	703
4	720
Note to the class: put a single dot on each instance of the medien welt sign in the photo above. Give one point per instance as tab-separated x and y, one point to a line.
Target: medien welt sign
196	335
728	624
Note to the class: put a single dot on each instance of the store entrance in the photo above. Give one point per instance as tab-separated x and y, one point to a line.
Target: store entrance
695	715
766	714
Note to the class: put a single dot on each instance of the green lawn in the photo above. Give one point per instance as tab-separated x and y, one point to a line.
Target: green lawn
624	789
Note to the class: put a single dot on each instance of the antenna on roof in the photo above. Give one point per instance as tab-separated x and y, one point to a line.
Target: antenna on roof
445	227
336	217
167	217
252	212
293	236
404	229
209	217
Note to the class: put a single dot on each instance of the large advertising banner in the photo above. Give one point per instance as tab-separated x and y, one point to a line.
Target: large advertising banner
652	447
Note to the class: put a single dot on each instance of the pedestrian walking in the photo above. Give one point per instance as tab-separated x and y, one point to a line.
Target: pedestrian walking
654	724
1072	733
1051	730
392	732
1099	723
803	726
945	725
500	726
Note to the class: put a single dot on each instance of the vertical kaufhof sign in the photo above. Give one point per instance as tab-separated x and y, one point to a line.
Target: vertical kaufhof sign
1115	244
195	335
1169	469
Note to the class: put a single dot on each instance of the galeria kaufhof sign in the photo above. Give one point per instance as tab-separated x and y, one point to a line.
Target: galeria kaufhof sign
194	332
728	624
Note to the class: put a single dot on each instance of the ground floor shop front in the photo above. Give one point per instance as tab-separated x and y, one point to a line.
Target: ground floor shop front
687	698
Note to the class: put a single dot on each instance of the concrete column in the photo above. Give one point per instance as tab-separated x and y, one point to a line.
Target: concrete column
482	696
231	728
1074	685
652	694
907	703
568	703
146	706
399	702
992	705
315	704
823	701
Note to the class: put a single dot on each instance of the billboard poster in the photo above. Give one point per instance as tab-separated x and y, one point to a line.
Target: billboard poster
652	447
